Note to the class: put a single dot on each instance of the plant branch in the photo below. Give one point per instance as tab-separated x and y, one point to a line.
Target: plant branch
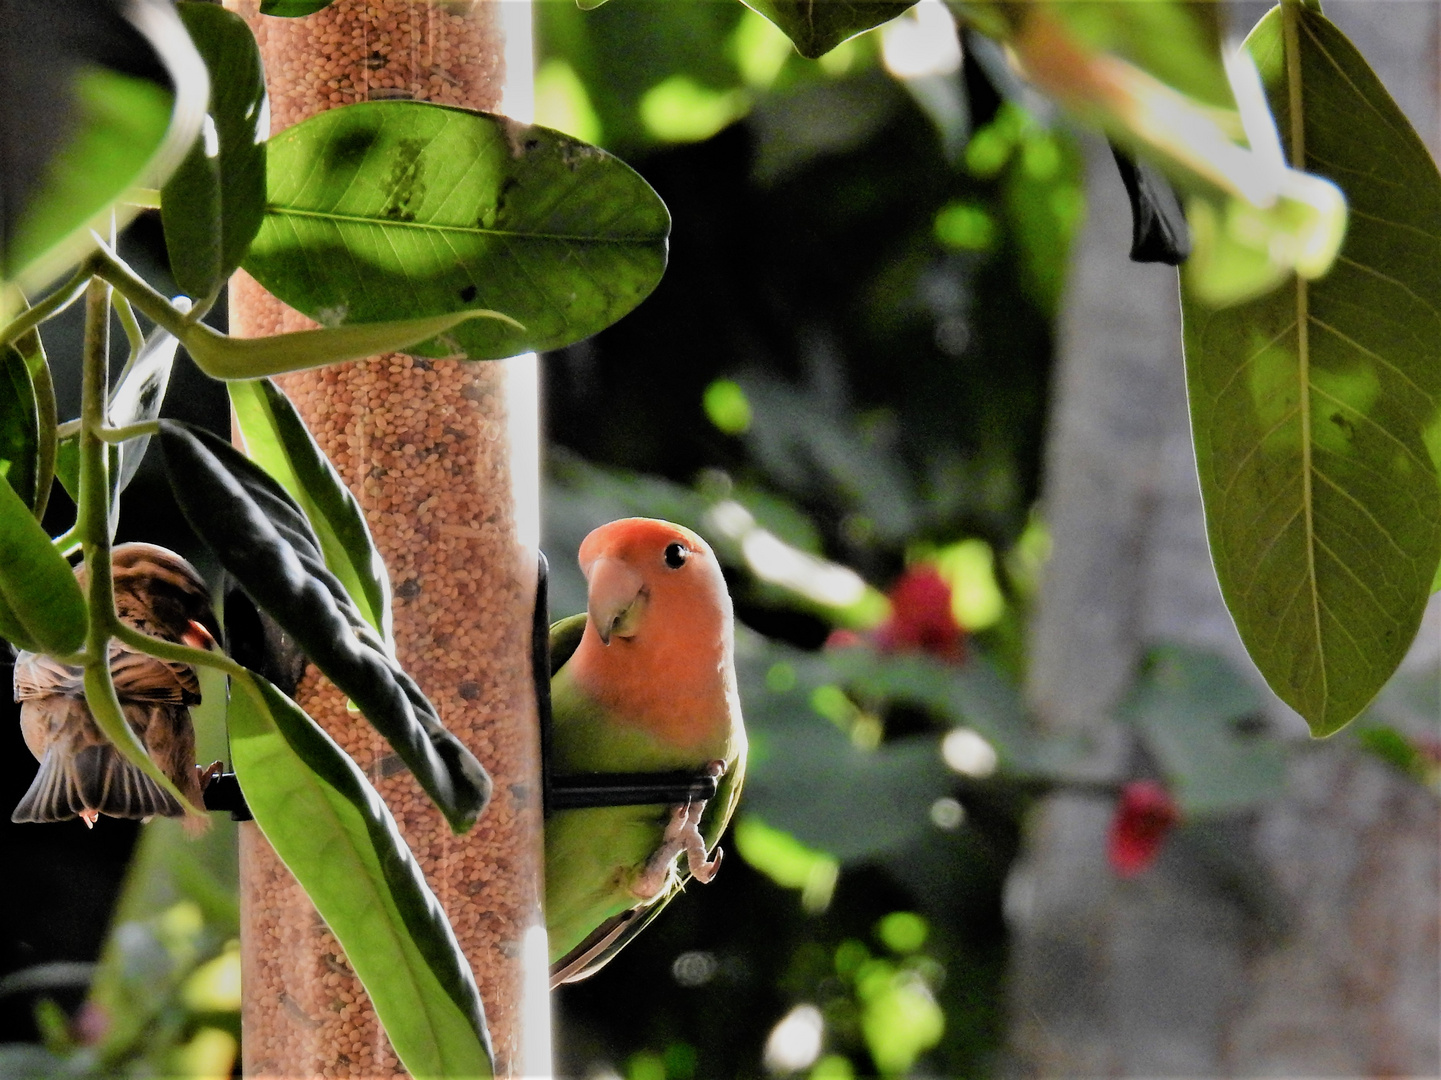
93	527
131	325
109	267
173	652
130	431
68	542
149	198
53	304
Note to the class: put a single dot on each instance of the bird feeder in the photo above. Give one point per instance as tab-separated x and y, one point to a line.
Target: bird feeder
443	458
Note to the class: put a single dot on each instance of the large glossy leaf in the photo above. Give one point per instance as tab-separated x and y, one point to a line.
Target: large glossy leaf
19	426
818	26
211	206
340	841
278	441
263	539
386	210
41	606
1316	410
89	115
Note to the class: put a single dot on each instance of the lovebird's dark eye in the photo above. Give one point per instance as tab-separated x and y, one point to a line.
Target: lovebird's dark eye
675	556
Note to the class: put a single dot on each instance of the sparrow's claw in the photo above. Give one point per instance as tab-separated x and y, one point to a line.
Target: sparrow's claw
209	773
90	817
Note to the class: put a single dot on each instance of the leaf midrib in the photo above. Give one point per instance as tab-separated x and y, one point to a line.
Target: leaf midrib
387	223
1290	33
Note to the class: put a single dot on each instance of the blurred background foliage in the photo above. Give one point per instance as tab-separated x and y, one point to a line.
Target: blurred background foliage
843	382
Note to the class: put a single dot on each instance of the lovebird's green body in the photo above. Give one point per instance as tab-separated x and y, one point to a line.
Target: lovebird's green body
644	682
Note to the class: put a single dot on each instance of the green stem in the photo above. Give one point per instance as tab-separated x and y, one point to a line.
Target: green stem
131	325
93	518
131	431
93	526
149	198
111	268
68	542
169	650
53	304
67	429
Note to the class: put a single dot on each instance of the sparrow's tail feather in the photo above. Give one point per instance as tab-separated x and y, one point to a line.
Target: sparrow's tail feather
95	780
111	784
52	795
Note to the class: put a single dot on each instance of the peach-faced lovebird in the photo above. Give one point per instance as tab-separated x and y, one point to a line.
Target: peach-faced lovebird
644	682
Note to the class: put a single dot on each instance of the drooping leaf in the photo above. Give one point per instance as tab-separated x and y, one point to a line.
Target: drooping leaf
137	397
278	441
291	9
262	538
396	209
41	606
109	96
224	357
1316	410
336	835
19	426
212	205
43	386
818	26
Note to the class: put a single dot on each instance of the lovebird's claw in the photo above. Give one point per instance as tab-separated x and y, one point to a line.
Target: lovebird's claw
682	836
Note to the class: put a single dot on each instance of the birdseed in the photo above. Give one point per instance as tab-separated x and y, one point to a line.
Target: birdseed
425	447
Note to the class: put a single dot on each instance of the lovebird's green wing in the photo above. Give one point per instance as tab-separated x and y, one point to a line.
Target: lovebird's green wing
617	932
565	638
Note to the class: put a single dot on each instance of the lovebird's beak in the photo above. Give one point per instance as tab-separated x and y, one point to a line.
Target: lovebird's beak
616	598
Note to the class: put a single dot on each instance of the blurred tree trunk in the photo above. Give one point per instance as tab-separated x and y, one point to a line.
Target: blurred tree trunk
1303	938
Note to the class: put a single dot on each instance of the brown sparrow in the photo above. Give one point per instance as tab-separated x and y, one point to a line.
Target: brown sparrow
81	773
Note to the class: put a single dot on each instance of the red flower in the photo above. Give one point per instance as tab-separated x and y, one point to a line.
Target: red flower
921	618
1144	817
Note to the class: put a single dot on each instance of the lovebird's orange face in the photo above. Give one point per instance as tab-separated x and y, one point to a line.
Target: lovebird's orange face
657	650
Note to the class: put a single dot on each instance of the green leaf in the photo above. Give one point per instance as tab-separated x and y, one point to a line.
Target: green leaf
262	538
1197	715
136	399
223	357
1316	410
33	353
818	26
41	606
387	209
337	837
19	426
277	440
212	205
808	778
291	9
119	129
190	215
